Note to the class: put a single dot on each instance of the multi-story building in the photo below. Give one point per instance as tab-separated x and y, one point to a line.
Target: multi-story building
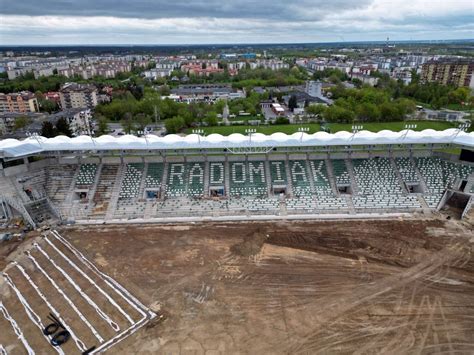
272	64
74	95
205	93
80	120
22	102
153	74
457	72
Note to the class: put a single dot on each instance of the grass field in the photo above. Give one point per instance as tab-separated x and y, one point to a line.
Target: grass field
335	127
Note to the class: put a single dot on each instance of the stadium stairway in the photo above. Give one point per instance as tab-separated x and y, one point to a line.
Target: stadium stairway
350	170
268	176
93	189
164	180
141	190
423	185
331	177
426	209
17	190
8	194
70	193
206	178
309	173
399	176
350	204
115	194
282	208
150	209
289	180
227	176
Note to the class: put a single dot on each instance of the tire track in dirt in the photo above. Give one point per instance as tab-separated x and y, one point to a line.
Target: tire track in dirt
340	307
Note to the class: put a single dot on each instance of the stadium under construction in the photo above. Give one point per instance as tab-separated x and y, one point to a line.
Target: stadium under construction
192	178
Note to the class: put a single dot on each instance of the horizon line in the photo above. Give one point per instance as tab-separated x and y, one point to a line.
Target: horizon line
238	43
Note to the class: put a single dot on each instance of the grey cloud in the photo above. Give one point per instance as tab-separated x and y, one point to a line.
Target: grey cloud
150	9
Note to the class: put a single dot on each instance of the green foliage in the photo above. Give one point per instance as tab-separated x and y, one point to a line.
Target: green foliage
338	114
128	124
211	119
29	83
317	109
282	120
368	104
367	111
48	105
21	122
102	126
435	94
334	75
174	125
142	121
292	103
48	130
249	78
62	127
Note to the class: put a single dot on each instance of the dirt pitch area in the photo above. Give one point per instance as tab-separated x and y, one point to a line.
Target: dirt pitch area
365	287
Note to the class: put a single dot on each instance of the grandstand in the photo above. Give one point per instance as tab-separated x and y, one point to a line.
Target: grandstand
274	176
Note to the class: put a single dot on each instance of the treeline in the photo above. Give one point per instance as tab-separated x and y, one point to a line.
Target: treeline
136	112
363	105
27	82
436	95
248	78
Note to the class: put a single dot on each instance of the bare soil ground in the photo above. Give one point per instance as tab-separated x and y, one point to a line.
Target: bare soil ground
386	286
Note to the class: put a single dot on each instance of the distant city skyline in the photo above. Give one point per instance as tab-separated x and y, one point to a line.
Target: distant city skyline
108	22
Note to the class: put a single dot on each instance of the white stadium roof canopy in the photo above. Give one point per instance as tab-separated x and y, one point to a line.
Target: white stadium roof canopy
34	145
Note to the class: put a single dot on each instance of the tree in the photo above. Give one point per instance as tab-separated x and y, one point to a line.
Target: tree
282	120
367	112
127	123
21	122
292	103
47	105
317	109
458	96
390	112
102	125
142	121
174	125
62	127
48	130
211	119
338	114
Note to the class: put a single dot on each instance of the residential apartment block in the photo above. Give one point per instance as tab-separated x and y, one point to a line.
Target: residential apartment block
74	95
22	102
457	72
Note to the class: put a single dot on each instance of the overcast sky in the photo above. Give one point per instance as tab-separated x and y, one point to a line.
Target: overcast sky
231	21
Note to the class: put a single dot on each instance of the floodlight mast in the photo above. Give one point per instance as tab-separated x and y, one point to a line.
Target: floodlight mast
356	129
408	127
199	132
463	127
250	131
303	130
35	136
144	135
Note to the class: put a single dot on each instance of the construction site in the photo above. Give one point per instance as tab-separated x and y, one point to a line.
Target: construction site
377	286
279	245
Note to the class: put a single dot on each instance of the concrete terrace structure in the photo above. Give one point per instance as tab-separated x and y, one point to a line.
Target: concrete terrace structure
107	179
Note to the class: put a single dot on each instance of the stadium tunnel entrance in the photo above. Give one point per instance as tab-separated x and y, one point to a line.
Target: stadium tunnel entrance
456	203
217	191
